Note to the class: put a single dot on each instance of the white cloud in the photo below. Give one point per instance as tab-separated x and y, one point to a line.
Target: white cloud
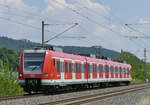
91	16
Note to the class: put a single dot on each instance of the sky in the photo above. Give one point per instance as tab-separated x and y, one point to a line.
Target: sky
100	22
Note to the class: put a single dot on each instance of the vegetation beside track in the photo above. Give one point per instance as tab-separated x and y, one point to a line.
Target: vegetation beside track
9	85
8	81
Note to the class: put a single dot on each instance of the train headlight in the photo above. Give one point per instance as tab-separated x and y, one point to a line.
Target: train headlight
45	75
20	75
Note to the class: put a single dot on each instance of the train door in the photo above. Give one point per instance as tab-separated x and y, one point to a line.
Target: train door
58	69
106	71
78	70
85	70
62	71
127	72
66	67
120	72
116	71
54	69
88	71
101	71
94	68
112	71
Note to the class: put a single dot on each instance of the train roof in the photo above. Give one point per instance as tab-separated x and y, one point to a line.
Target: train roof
78	57
89	59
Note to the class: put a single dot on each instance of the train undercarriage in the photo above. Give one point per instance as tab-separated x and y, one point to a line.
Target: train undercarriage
34	86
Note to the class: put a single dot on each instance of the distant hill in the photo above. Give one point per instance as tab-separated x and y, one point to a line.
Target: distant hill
21	44
98	51
16	44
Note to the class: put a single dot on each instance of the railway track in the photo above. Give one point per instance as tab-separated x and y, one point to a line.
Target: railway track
5	98
18	97
96	97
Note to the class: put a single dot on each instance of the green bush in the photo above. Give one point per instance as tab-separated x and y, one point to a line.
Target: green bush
9	85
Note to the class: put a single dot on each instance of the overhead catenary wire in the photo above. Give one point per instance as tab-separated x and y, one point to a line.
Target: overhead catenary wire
97	13
103	26
89	19
61	33
23	24
134	29
40	28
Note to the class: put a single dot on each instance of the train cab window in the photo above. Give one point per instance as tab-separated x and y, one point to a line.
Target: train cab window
62	69
58	66
66	67
70	67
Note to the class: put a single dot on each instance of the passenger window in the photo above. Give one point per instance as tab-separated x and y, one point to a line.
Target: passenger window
66	67
79	68
82	65
107	69
62	67
54	62
84	68
58	66
88	68
73	68
116	70
120	70
101	69
95	68
70	68
76	68
112	70
91	69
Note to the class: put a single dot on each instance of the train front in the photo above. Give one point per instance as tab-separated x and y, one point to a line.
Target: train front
31	70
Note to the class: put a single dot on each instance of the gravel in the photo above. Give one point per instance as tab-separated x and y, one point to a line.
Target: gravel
126	99
141	97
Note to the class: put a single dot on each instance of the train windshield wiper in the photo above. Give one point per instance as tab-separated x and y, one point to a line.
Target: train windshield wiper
36	67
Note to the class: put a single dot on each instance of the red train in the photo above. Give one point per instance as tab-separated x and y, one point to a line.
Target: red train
45	70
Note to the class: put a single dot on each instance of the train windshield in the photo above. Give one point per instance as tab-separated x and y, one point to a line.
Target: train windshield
33	63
